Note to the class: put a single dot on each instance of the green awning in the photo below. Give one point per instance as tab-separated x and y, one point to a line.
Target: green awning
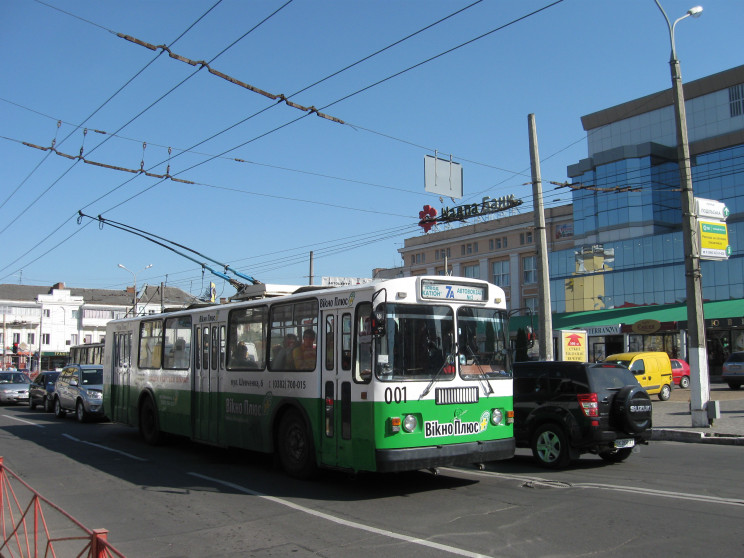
615	316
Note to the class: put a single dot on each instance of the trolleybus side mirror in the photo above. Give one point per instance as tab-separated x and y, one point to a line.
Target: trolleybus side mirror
377	321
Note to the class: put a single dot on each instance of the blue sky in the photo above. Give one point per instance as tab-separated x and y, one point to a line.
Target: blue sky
348	192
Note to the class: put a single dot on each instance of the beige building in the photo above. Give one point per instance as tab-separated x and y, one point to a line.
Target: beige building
500	250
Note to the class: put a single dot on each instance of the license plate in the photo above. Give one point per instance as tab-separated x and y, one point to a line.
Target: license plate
625	443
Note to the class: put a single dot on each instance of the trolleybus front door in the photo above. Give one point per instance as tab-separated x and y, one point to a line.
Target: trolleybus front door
208	362
121	363
336	389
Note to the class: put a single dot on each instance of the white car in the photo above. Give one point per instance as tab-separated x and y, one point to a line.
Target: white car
14	387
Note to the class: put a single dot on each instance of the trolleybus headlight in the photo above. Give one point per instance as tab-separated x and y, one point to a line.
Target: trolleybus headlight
496	416
410	423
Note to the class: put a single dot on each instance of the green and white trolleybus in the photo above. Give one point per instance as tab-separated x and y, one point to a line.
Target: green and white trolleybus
391	375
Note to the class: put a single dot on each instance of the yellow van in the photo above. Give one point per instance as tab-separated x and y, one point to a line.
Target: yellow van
652	370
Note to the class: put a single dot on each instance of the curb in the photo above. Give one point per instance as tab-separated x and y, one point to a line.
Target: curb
693	437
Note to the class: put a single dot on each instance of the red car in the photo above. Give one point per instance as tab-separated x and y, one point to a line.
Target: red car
680	373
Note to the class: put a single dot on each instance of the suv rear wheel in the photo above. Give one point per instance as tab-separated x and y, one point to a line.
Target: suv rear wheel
550	446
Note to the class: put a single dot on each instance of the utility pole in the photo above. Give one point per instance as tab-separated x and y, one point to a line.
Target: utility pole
311	268
545	341
698	356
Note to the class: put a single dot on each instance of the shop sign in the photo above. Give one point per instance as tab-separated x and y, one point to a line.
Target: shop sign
711	209
714	243
603	330
646	326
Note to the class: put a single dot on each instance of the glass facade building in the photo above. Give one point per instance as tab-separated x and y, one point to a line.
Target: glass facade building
628	248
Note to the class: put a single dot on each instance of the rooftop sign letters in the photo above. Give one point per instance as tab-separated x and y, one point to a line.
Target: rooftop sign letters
487	206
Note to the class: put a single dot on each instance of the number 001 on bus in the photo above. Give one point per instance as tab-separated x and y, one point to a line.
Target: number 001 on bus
392	375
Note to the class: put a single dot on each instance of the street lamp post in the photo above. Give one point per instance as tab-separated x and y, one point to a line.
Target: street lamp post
699	380
134	279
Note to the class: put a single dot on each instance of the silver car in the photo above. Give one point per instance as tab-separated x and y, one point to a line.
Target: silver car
14	387
732	371
79	388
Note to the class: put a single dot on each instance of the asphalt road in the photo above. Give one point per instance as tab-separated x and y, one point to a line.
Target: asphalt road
191	500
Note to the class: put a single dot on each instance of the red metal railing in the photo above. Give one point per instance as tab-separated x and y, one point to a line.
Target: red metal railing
41	528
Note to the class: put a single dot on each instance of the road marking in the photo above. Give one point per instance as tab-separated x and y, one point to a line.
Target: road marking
345	522
537	481
125	454
24	421
663	493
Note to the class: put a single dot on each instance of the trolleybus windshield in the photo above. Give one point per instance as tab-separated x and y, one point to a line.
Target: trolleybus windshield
418	342
481	336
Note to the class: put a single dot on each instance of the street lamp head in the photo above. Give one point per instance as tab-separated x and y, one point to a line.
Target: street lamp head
148	267
121	266
695	11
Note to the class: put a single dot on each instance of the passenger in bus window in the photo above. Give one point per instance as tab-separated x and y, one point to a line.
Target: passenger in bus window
243	358
282	358
304	355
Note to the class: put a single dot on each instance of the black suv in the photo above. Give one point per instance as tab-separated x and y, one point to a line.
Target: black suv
564	409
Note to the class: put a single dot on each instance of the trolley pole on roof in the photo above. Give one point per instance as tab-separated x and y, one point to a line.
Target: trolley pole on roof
545	339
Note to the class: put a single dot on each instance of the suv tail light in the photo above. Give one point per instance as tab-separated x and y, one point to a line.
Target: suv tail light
589	405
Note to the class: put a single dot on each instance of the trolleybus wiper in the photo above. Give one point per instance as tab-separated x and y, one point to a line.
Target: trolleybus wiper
447	360
482	376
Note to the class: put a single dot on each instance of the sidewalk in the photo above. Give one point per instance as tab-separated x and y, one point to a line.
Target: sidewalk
672	420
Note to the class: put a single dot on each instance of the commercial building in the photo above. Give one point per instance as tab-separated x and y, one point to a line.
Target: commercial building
617	269
52	319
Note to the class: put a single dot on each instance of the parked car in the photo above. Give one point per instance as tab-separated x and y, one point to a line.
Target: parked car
41	391
564	409
79	388
732	371
653	370
680	373
14	387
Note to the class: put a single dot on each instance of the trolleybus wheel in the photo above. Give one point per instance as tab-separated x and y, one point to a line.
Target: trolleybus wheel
149	426
295	446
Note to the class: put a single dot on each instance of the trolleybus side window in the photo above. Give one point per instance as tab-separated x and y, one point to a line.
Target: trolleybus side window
197	348
177	343
247	338
122	347
223	345
363	360
215	348
206	344
329	332
151	344
293	336
346	342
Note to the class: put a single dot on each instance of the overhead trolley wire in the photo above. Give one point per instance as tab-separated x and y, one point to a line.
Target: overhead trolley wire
130	80
150	106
